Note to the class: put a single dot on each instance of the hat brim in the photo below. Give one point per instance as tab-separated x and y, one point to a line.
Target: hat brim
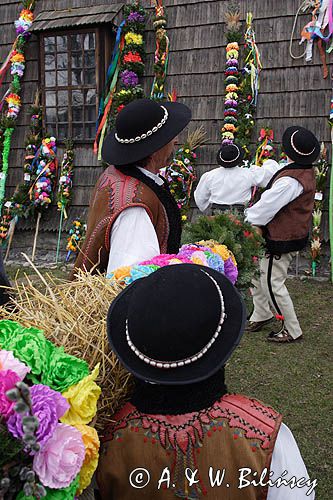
116	153
291	153
216	357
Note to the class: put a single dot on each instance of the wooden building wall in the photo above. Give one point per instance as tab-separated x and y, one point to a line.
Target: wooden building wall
291	90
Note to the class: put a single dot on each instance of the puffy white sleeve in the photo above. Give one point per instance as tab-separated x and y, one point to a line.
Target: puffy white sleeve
262	175
202	192
287	457
284	191
133	239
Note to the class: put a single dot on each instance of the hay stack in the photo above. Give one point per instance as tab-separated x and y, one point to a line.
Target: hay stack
73	315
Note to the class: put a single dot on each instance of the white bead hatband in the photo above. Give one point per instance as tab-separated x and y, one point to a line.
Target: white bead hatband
186	361
234	159
294	147
146	134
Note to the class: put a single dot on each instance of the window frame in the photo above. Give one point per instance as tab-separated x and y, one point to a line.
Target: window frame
104	41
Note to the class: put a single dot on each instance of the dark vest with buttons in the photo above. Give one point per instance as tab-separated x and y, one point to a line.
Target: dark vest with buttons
288	231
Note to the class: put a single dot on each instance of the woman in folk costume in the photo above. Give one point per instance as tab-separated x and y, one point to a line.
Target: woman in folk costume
174	331
230	185
132	215
283	214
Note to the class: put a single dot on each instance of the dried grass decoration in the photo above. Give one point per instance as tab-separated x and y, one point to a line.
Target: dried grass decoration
73	315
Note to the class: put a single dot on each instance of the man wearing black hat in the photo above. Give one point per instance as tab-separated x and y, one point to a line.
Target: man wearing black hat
284	215
182	435
230	186
132	215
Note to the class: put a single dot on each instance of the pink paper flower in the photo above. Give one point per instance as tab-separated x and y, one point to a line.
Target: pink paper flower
8	379
60	460
160	260
9	362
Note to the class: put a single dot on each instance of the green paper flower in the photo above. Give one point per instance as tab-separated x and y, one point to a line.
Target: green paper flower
63	370
65	493
30	346
8	330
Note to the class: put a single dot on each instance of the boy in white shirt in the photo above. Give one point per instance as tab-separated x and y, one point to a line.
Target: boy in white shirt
231	184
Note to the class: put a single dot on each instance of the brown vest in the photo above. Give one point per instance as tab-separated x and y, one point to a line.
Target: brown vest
235	433
113	193
288	230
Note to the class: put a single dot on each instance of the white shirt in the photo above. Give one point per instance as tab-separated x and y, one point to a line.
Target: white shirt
284	191
133	237
230	186
286	457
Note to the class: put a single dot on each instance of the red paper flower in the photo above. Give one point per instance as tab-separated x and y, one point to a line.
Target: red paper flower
132	57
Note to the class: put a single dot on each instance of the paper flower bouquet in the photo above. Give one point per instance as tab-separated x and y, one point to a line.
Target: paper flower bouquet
206	253
47	400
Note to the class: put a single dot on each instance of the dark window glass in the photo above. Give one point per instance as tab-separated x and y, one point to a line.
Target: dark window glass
69	85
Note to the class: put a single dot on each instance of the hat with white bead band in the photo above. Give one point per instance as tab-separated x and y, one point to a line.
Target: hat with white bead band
179	325
142	128
301	145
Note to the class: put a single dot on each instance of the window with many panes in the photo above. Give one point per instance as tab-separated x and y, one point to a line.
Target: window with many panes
69	76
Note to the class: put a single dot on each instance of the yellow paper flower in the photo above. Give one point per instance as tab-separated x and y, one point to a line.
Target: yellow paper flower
82	398
92	444
222	250
184	217
133	38
18	57
175	261
231	95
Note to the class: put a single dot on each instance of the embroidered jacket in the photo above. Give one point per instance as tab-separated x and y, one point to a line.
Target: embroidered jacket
234	433
113	193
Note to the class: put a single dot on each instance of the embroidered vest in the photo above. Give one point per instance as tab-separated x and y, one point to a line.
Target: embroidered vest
113	193
233	434
288	231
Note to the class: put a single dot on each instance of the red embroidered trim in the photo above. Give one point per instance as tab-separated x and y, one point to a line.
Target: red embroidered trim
257	420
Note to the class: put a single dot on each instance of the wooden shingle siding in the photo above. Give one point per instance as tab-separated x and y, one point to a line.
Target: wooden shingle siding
291	91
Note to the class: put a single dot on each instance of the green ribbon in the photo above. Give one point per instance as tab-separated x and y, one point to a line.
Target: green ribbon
5	155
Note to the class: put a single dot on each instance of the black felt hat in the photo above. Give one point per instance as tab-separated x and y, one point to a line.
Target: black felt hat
179	325
230	155
143	127
300	145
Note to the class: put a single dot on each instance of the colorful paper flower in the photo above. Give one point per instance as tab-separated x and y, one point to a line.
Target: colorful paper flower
133	38
129	78
8	379
132	57
30	346
48	406
135	17
232	46
9	362
60	460
91	443
63	370
8	330
82	398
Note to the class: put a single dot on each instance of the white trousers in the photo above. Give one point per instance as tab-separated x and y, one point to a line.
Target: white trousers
270	291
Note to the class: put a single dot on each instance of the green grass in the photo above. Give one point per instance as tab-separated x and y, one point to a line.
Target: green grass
296	379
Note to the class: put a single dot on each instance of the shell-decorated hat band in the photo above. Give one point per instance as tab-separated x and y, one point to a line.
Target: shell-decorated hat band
191	359
146	134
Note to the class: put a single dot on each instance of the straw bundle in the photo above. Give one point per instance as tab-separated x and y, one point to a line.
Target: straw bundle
73	315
